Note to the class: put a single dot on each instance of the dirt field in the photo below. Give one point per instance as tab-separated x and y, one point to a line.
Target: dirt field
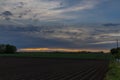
12	68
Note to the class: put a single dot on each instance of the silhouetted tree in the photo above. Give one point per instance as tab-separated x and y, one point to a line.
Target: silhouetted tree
2	48
115	52
10	49
7	48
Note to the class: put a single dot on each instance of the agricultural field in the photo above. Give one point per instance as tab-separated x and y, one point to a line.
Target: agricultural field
51	69
58	67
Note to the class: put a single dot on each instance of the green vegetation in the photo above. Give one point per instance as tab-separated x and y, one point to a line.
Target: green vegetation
114	66
114	71
115	52
60	55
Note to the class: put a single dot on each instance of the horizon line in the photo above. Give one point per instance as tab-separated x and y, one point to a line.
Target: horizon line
60	50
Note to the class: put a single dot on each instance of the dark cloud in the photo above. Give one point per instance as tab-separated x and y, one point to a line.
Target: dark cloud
18	28
21	4
24	13
111	24
6	13
67	3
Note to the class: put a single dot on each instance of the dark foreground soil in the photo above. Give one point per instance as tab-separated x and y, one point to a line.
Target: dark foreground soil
12	68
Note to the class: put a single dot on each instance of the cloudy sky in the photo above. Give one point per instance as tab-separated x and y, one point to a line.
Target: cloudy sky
66	24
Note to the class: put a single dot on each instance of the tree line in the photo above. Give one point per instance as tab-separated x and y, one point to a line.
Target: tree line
7	48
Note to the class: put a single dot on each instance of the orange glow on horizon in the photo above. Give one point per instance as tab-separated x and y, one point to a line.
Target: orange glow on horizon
59	50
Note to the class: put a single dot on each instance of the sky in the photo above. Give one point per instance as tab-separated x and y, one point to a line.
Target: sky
60	24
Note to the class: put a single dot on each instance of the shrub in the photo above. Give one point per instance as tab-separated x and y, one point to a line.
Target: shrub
115	52
6	48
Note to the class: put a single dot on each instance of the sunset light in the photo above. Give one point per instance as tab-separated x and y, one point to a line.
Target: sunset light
58	50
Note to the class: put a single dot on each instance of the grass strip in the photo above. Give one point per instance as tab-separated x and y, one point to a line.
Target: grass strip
114	71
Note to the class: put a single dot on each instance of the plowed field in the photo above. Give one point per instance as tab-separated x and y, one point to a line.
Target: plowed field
12	68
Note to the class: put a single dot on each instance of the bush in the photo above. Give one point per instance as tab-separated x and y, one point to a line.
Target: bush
6	48
115	52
